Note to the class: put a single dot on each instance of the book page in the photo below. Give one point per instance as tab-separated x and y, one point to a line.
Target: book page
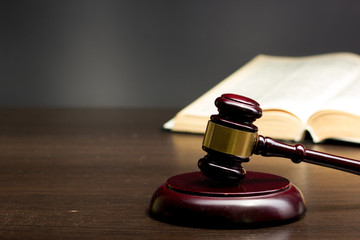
300	85
347	100
315	81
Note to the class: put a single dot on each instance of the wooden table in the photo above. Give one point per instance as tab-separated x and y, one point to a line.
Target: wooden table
90	174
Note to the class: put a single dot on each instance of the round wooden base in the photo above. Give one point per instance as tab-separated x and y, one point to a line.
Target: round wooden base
261	199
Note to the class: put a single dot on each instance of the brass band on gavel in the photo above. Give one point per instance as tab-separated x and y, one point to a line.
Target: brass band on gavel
229	140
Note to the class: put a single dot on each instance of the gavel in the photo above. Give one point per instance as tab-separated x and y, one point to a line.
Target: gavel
231	138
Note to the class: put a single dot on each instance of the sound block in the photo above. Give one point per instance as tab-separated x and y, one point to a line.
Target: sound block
261	199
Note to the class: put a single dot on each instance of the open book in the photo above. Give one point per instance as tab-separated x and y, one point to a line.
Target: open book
319	94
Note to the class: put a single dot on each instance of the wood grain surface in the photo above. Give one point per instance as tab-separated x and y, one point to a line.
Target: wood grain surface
90	174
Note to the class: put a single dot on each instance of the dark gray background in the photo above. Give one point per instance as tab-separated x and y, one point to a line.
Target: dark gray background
154	53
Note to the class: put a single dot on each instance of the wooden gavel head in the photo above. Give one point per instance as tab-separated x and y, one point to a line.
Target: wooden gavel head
230	138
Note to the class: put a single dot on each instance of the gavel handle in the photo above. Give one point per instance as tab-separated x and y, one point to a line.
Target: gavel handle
269	147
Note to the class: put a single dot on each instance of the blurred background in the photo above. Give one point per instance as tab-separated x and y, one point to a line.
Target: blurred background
149	53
